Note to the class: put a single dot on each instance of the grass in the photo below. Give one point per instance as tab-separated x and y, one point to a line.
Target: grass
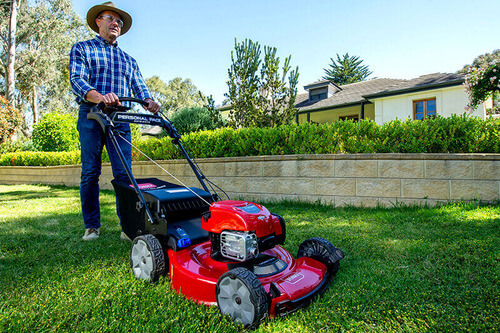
408	269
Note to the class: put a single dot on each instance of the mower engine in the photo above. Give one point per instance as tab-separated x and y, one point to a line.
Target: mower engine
240	230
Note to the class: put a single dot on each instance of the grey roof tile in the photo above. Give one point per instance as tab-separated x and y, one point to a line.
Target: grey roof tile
356	92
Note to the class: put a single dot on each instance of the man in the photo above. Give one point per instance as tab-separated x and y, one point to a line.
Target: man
101	72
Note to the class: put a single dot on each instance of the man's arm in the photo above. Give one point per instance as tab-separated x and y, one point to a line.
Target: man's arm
79	72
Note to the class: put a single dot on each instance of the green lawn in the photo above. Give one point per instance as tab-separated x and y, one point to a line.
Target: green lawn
407	269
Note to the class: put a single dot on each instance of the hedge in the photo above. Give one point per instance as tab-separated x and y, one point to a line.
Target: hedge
457	134
31	158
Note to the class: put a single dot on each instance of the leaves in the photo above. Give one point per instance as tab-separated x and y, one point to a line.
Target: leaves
263	100
176	94
10	120
345	70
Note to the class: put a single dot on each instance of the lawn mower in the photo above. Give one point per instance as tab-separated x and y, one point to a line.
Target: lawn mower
217	252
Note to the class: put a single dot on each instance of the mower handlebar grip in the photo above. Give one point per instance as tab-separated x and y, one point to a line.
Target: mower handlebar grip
132	99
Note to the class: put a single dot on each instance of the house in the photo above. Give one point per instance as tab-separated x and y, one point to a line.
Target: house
383	100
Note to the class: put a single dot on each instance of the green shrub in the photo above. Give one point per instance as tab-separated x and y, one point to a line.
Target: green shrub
56	132
457	134
40	158
193	119
10	120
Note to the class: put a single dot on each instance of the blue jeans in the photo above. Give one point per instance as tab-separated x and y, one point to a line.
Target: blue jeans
92	141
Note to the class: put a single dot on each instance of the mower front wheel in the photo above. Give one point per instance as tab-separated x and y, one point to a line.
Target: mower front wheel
147	259
323	251
241	296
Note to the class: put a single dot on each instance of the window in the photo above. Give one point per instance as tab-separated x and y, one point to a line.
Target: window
425	108
317	94
354	118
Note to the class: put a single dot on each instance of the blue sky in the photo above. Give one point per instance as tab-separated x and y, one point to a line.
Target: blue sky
396	39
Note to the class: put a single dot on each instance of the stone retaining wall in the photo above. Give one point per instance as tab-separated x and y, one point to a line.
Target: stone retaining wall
357	179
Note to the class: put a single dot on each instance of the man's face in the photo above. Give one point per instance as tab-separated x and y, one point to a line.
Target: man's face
109	29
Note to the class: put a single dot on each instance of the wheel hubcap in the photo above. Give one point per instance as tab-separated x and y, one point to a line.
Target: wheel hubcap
234	300
142	261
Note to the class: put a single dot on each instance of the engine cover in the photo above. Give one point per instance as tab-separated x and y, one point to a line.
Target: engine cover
242	216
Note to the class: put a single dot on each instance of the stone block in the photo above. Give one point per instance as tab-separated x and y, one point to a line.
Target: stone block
448	169
294	186
356	168
316	168
261	185
425	188
249	169
279	168
487	170
475	189
377	187
401	169
335	186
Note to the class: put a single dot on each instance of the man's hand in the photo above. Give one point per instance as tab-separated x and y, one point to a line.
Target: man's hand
152	106
109	99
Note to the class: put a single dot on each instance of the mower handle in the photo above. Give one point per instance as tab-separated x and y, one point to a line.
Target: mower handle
132	99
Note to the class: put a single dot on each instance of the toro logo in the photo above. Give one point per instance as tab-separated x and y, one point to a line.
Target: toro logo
293	279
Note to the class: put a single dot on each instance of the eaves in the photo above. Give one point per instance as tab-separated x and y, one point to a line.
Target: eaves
415	89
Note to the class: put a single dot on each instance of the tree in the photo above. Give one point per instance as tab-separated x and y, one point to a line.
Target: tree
175	95
482	83
480	61
10	119
53	29
261	100
11	51
345	70
193	119
277	99
482	79
46	30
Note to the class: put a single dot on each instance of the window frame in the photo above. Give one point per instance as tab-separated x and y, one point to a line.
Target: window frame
424	100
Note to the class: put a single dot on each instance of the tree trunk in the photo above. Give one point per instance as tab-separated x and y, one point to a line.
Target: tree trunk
11	54
34	105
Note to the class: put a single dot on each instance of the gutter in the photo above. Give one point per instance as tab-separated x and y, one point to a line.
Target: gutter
338	106
415	89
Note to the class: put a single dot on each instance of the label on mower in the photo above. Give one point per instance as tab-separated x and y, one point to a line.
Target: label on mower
294	278
144	186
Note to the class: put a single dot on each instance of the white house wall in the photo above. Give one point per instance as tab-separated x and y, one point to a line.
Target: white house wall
451	100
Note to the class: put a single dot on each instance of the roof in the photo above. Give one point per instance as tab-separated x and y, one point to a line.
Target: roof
358	92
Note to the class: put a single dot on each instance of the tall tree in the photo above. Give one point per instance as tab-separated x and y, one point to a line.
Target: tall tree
261	100
345	70
277	96
243	84
46	30
11	51
176	94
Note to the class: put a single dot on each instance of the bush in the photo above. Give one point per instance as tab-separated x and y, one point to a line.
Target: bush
21	144
10	120
40	158
194	119
457	134
56	132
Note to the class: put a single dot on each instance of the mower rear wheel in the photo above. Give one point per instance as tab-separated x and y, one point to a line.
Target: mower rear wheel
323	251
241	296
147	259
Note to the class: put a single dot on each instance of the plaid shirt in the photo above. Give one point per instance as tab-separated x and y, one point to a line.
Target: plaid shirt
96	64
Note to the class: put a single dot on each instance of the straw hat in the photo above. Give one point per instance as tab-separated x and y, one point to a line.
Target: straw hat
96	10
